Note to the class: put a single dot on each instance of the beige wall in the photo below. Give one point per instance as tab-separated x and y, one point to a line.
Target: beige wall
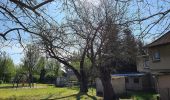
164	81
99	86
118	84
156	66
164	86
164	62
134	86
140	64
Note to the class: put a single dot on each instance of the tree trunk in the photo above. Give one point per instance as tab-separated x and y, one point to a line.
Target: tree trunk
84	80
30	80
108	92
42	76
83	84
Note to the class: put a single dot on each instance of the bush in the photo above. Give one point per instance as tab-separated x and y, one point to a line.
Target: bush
50	78
1	82
36	78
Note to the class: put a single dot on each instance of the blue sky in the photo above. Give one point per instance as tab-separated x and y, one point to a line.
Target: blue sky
16	52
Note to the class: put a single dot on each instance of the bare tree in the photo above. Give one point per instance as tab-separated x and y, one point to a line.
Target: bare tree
149	18
30	61
19	12
60	44
145	14
99	26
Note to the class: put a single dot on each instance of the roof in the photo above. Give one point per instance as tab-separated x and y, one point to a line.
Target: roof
128	74
163	40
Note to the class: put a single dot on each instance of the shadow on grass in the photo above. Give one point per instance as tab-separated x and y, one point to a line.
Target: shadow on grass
78	97
48	97
139	95
14	87
5	87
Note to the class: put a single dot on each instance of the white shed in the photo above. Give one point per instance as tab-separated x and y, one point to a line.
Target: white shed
118	83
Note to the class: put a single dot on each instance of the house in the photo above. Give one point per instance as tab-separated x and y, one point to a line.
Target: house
157	62
153	71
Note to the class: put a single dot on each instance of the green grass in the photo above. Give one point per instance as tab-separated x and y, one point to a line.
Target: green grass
140	96
48	92
144	96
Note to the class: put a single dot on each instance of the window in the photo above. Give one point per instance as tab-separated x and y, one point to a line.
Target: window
146	62
156	56
136	80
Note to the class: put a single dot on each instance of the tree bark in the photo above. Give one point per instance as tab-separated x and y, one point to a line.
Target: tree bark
30	80
83	83
42	76
81	76
108	92
84	80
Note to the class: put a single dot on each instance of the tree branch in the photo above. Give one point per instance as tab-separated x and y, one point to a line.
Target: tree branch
21	4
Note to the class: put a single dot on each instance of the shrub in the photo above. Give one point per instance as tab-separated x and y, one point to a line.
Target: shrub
36	78
1	82
50	77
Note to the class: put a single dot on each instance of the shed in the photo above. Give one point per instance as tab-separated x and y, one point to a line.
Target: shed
137	81
118	83
128	81
60	81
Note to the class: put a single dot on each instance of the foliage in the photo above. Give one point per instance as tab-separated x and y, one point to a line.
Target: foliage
41	63
7	68
1	82
140	96
53	66
36	78
31	57
50	77
90	72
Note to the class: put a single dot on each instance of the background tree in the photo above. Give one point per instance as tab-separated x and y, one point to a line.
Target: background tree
30	61
7	68
53	70
129	52
90	72
41	69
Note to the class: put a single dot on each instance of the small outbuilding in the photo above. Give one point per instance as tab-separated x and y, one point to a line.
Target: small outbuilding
138	81
60	81
123	82
118	83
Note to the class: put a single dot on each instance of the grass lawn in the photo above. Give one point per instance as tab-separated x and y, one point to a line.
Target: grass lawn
140	96
46	92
